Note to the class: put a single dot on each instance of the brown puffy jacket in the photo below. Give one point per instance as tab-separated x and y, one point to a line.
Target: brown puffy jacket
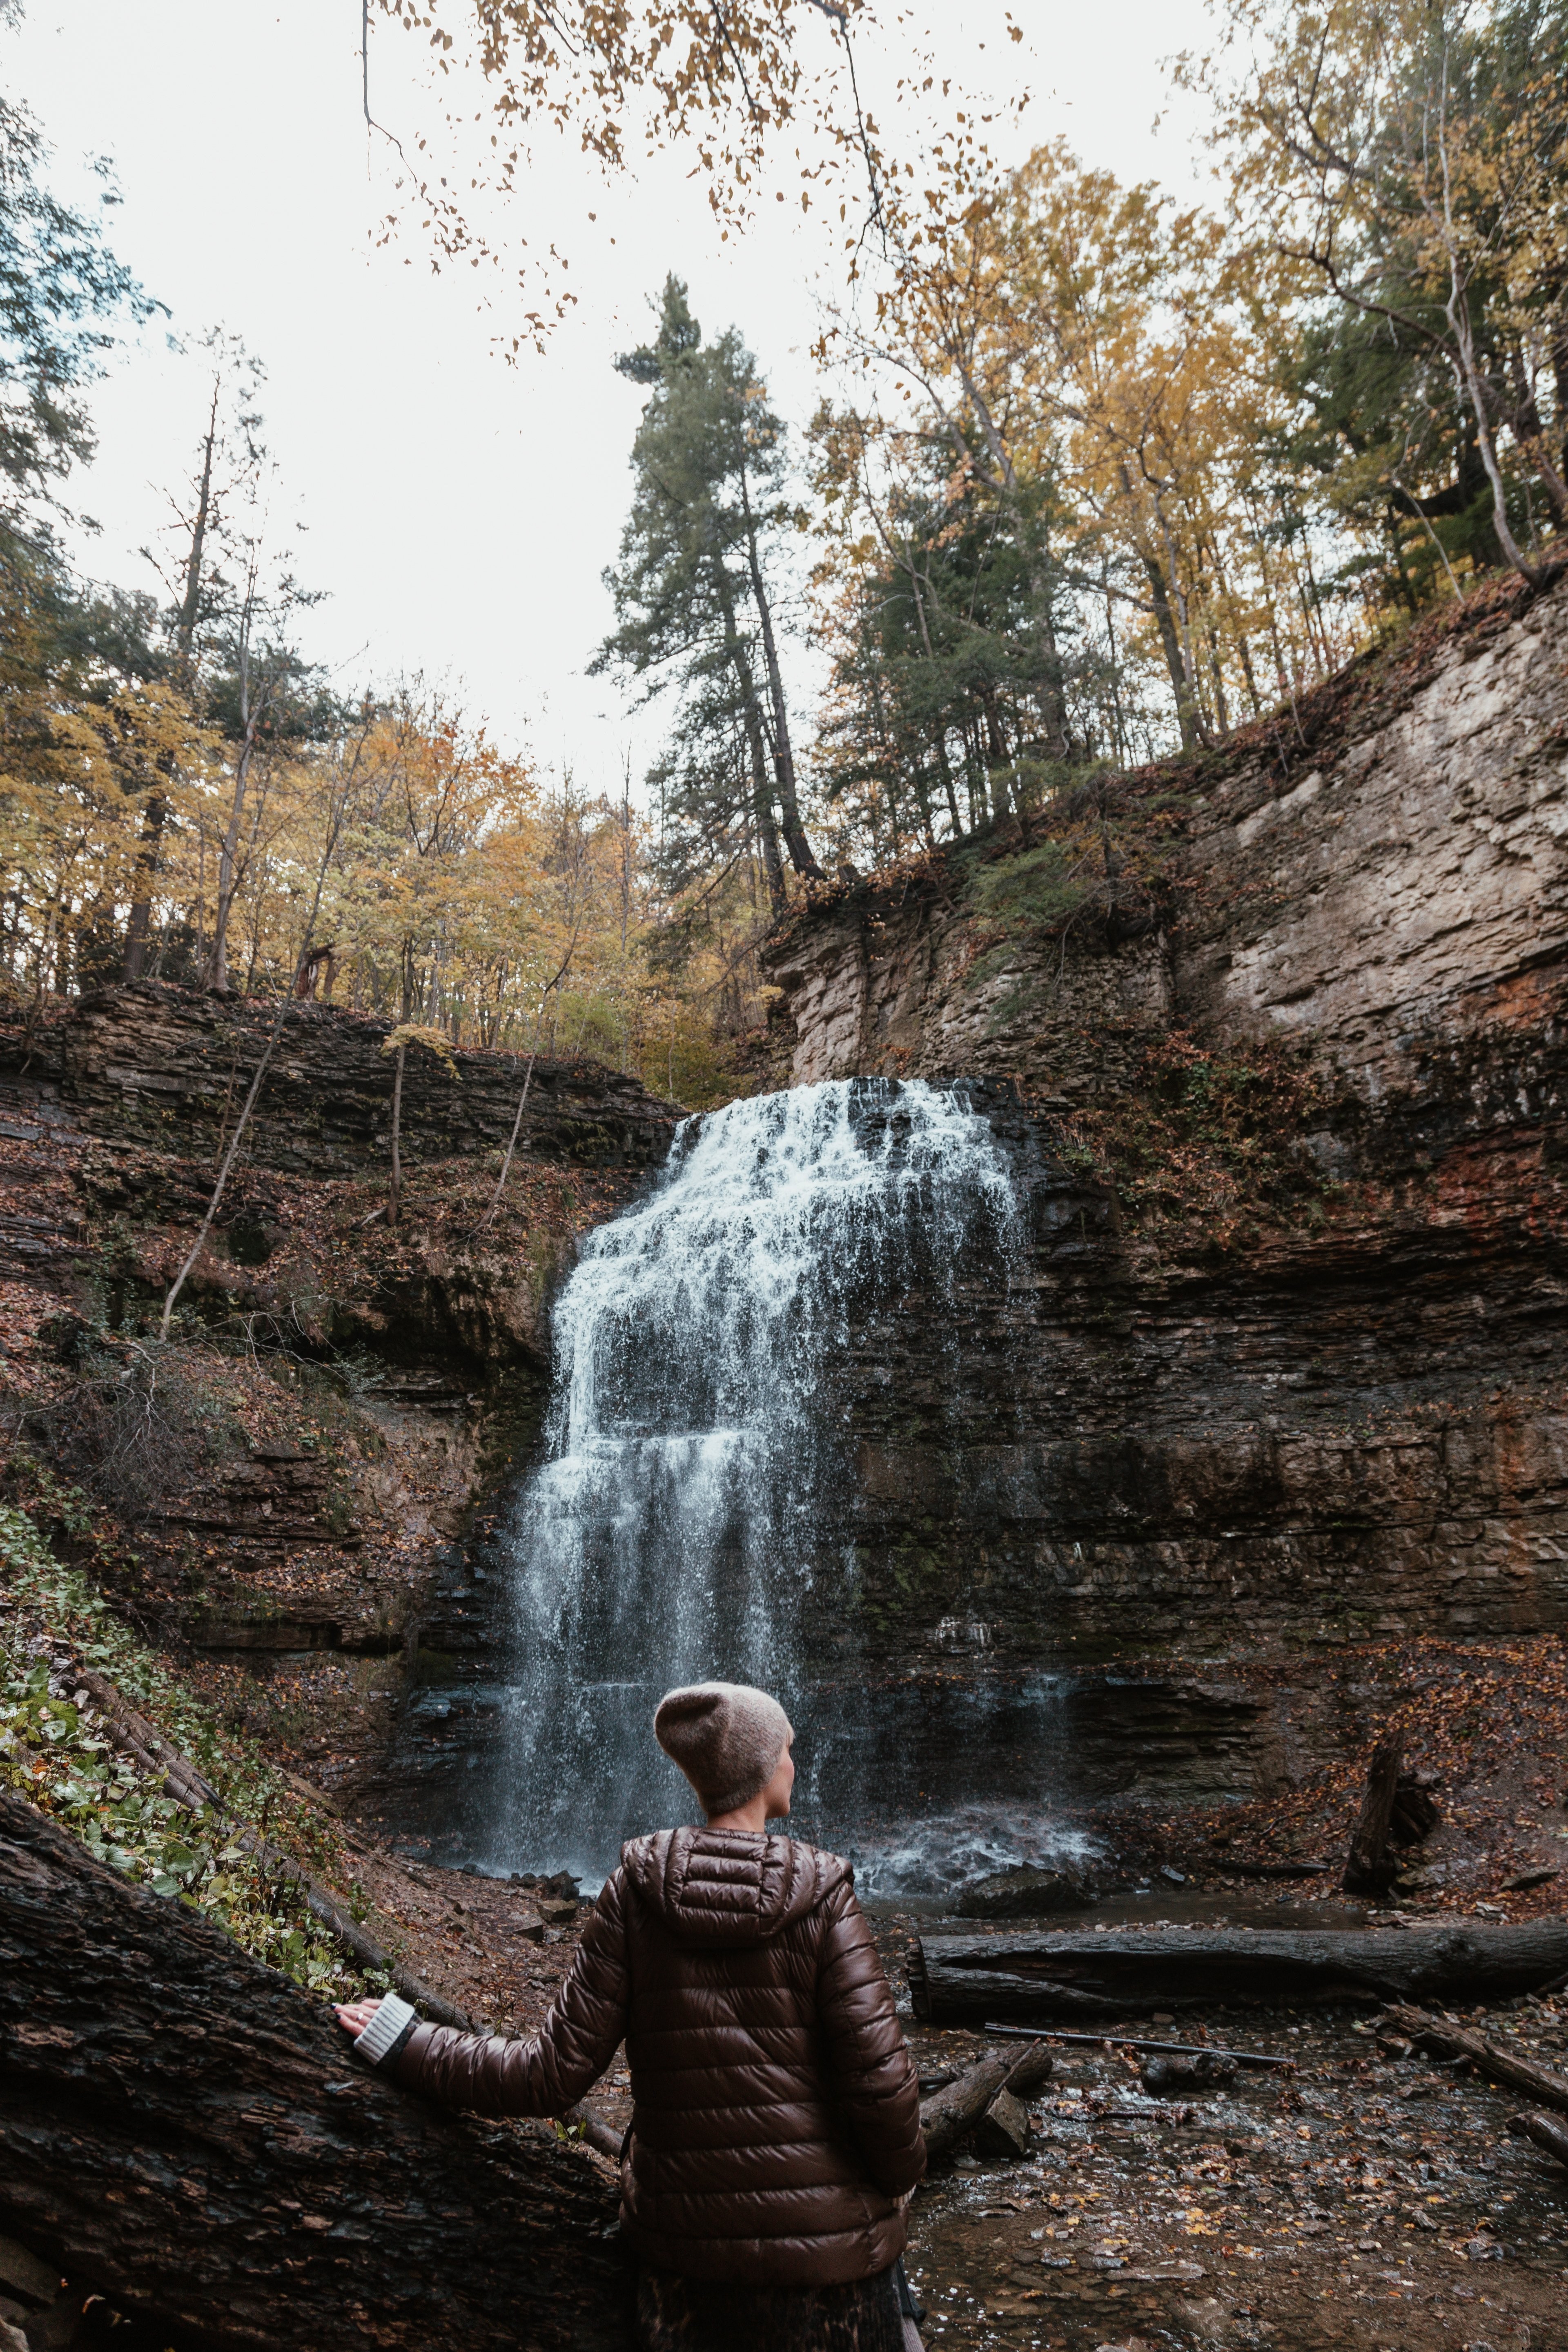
775	2114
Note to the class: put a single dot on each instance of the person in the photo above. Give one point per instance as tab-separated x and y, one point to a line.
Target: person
775	2134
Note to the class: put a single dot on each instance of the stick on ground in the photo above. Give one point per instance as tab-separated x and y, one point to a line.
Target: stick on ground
1132	2042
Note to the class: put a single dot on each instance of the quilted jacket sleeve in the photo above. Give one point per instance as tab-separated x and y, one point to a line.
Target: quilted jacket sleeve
548	2073
873	2079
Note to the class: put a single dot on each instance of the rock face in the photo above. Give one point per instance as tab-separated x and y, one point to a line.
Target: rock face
164	1067
1148	1441
293	1478
1392	889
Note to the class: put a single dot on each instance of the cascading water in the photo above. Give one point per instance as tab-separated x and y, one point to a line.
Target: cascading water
697	1465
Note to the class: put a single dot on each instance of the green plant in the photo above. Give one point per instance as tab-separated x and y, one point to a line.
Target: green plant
52	1751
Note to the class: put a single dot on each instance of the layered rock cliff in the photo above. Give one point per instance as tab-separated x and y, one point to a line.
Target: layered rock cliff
284	1484
1285	1366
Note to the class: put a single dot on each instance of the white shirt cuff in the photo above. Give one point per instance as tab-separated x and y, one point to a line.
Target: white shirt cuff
385	2028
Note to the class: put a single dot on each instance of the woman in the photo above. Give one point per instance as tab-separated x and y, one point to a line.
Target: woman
775	2116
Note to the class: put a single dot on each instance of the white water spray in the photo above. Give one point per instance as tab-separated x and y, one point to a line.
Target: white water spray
695	1456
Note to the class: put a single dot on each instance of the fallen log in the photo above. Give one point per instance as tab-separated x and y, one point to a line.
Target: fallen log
186	2132
1441	2040
1029	1978
135	1737
1546	2131
952	2112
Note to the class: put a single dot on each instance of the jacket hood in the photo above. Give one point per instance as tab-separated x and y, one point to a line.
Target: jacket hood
730	1887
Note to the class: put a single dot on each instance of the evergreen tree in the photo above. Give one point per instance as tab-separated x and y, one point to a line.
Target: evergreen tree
695	608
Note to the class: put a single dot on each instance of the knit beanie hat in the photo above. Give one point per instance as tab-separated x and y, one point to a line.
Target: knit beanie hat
726	1737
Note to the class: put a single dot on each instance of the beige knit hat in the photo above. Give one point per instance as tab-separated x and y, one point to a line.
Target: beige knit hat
726	1737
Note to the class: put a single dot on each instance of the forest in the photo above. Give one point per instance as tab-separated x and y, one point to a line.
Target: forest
1075	1435
1093	480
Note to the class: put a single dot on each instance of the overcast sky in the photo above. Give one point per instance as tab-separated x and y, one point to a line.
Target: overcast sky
459	510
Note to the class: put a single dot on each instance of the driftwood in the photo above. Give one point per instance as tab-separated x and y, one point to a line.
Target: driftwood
1029	1979
952	2112
1547	2131
1441	2040
1368	1869
1003	2131
186	2132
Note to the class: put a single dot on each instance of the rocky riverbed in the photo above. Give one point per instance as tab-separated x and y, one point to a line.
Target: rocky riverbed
1366	2199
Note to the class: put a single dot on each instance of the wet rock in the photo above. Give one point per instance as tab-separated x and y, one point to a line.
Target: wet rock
1003	2131
1167	2076
24	2274
1026	1893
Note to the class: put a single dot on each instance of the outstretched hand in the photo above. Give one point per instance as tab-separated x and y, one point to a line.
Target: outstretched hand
354	2016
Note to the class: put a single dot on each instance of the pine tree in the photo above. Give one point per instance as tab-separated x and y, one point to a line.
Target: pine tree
694	604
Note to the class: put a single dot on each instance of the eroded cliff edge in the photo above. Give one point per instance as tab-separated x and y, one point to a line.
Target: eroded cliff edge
1284	1371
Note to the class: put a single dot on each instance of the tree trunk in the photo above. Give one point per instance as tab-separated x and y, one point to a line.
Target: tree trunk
793	831
139	930
394	1202
1053	710
1494	2058
954	2110
1472	389
1029	1978
229	873
1165	621
1546	2131
1368	1870
761	791
187	2132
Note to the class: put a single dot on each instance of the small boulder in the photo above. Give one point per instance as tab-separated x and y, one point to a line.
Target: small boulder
1166	2075
34	2281
1026	1893
1003	2131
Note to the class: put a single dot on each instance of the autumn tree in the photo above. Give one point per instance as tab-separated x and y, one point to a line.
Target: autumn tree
85	715
232	603
1411	160
731	84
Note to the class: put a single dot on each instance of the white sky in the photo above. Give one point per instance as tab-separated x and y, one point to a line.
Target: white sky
460	510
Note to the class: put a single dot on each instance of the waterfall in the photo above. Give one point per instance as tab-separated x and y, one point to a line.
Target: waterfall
694	1500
